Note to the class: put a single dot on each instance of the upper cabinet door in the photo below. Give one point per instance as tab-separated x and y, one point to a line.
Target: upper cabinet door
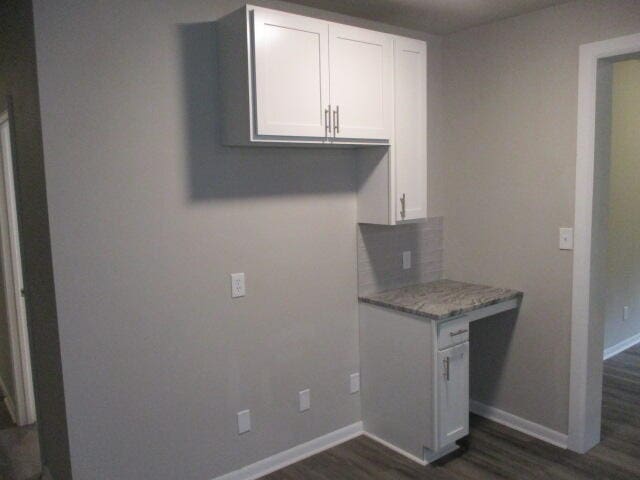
291	74
361	83
410	144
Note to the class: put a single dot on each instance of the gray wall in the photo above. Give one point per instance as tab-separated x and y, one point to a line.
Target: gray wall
511	103
18	79
623	253
149	216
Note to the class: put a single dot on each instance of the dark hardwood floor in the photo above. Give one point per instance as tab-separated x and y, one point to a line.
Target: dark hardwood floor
5	417
499	452
19	449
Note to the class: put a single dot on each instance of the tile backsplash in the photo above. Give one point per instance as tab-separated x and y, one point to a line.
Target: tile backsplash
380	251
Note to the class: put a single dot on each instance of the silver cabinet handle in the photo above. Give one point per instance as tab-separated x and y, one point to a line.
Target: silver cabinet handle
327	121
459	332
403	202
336	120
446	363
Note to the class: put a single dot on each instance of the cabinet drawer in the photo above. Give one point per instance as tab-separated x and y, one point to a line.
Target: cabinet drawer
453	332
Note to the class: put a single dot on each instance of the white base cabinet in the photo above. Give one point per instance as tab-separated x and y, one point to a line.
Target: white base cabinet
414	377
414	380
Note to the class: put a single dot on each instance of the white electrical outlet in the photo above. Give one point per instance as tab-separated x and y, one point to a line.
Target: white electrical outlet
244	421
625	313
406	260
566	238
237	285
354	383
304	400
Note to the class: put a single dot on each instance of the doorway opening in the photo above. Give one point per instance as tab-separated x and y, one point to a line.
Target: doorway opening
591	264
19	446
621	89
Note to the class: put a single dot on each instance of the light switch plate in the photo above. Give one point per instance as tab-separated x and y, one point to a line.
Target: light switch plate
304	399
354	383
566	238
237	285
625	313
244	421
406	260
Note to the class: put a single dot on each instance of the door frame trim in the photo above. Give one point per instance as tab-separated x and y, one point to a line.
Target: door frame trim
585	385
16	312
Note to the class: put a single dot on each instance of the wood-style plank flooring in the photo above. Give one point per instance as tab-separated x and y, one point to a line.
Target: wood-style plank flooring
5	418
19	449
497	452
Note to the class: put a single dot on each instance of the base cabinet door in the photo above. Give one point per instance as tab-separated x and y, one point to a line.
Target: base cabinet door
453	394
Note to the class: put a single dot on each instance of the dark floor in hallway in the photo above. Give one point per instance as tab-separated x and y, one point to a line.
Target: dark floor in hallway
5	417
19	453
499	452
19	450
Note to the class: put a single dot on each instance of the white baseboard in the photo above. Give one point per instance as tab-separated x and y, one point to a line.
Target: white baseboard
295	454
317	445
9	402
520	424
621	347
390	446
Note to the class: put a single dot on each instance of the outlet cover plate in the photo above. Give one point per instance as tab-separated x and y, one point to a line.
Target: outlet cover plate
304	399
354	383
237	285
406	260
244	421
566	238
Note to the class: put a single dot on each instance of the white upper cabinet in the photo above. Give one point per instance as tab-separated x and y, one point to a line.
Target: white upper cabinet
291	74
410	143
287	78
392	184
361	63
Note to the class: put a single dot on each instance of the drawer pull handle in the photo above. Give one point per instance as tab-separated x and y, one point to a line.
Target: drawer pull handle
459	332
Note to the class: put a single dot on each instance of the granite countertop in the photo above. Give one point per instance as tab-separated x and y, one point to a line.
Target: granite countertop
441	299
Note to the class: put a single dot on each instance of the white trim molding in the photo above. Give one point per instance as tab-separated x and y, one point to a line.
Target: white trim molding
520	424
295	454
585	389
11	260
621	346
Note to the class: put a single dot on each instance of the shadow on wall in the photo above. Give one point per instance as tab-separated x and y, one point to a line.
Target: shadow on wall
216	171
489	348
